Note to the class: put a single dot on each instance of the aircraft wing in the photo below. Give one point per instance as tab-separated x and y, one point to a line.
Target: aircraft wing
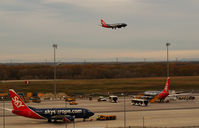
151	93
181	94
154	99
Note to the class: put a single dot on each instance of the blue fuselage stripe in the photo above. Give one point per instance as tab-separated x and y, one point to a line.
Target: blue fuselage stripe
51	112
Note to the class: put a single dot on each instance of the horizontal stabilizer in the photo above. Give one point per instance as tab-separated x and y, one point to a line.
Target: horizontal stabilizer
7	109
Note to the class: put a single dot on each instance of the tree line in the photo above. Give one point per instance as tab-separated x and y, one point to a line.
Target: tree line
97	70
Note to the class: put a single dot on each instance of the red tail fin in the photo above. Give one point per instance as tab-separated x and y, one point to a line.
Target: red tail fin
17	103
20	108
166	88
103	23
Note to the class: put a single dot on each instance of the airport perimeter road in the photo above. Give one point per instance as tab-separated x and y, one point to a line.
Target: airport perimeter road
173	114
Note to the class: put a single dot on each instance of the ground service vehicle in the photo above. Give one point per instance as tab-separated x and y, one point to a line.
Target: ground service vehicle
185	97
139	102
4	96
106	117
113	99
70	99
73	103
23	97
35	99
101	98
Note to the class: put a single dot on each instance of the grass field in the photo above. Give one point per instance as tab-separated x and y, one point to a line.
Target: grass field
102	86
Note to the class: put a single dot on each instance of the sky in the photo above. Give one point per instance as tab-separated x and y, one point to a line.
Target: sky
29	28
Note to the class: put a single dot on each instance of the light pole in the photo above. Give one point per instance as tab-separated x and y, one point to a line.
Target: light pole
4	121
124	110
55	47
167	44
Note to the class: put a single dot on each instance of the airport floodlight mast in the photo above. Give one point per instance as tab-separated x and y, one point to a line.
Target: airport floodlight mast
167	44
4	124
123	94
55	70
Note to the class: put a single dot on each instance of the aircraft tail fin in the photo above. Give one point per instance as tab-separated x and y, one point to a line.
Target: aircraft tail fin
103	23
166	88
20	108
17	103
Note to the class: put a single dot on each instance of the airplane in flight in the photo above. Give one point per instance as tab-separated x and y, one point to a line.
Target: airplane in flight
113	26
51	114
153	96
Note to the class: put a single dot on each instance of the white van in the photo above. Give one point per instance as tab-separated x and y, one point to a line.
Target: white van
113	99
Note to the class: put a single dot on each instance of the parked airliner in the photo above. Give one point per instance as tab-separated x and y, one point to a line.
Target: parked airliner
51	114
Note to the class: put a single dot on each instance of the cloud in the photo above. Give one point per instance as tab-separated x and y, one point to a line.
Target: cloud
91	3
33	25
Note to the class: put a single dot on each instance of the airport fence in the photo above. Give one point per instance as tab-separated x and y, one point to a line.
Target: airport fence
155	127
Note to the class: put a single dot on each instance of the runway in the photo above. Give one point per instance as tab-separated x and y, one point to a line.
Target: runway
173	114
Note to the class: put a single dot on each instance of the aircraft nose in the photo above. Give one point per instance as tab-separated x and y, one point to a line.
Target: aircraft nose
91	113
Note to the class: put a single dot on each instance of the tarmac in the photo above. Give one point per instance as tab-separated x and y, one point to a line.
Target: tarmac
178	113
